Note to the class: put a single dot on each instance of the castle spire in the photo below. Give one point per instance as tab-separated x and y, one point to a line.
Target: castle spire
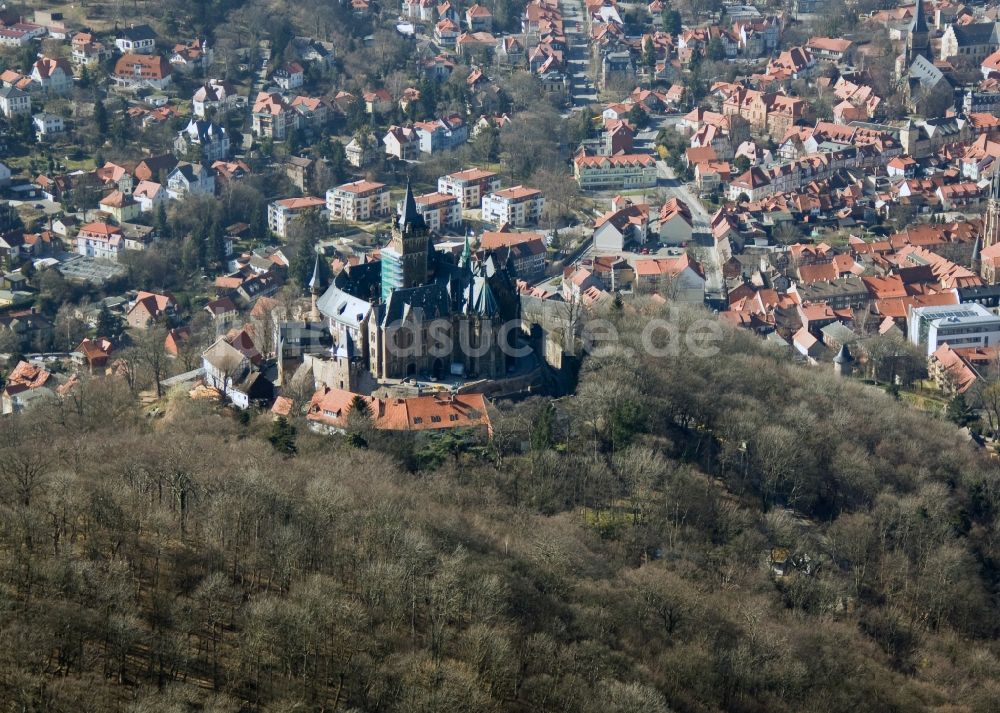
314	290
466	258
314	281
409	216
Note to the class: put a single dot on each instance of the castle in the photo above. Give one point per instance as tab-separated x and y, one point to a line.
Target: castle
415	312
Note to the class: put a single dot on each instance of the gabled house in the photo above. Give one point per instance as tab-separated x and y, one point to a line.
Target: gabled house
149	195
190	179
272	117
14	102
402	142
138	71
53	76
290	76
196	56
100	240
136	39
202	140
217	95
150	307
440	134
120	206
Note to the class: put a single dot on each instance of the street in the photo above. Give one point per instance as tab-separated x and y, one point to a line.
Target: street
583	92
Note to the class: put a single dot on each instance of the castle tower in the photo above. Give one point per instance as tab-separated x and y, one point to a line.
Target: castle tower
843	363
918	40
315	288
404	261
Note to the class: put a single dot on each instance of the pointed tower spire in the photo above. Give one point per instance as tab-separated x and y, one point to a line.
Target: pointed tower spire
314	290
466	259
919	23
314	281
409	215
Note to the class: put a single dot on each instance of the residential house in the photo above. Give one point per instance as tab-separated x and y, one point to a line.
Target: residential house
14	102
87	51
136	39
624	224
377	101
402	143
361	150
479	19
440	134
679	278
299	170
526	251
357	201
469	186
215	95
26	385
230	372
120	206
830	49
754	184
675	223
272	117
195	57
95	352
471	44
47	125
100	240
139	71
190	179
155	168
53	76
281	213
517	206
223	313
202	140
149	195
149	308
290	76
446	33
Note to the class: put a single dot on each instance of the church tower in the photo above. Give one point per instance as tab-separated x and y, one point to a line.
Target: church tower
315	289
404	260
987	258
991	220
918	41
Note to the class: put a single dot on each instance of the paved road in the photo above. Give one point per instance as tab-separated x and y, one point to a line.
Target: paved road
582	89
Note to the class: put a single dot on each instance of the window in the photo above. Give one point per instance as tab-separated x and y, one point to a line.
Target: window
417	420
435	419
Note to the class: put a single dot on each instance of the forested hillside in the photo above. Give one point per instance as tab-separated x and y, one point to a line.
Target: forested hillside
614	551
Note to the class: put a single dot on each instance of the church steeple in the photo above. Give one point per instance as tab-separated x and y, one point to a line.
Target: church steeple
919	23
918	41
314	289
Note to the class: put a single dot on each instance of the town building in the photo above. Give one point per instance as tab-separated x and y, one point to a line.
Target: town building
358	201
469	186
958	326
517	206
100	240
281	213
625	172
440	211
